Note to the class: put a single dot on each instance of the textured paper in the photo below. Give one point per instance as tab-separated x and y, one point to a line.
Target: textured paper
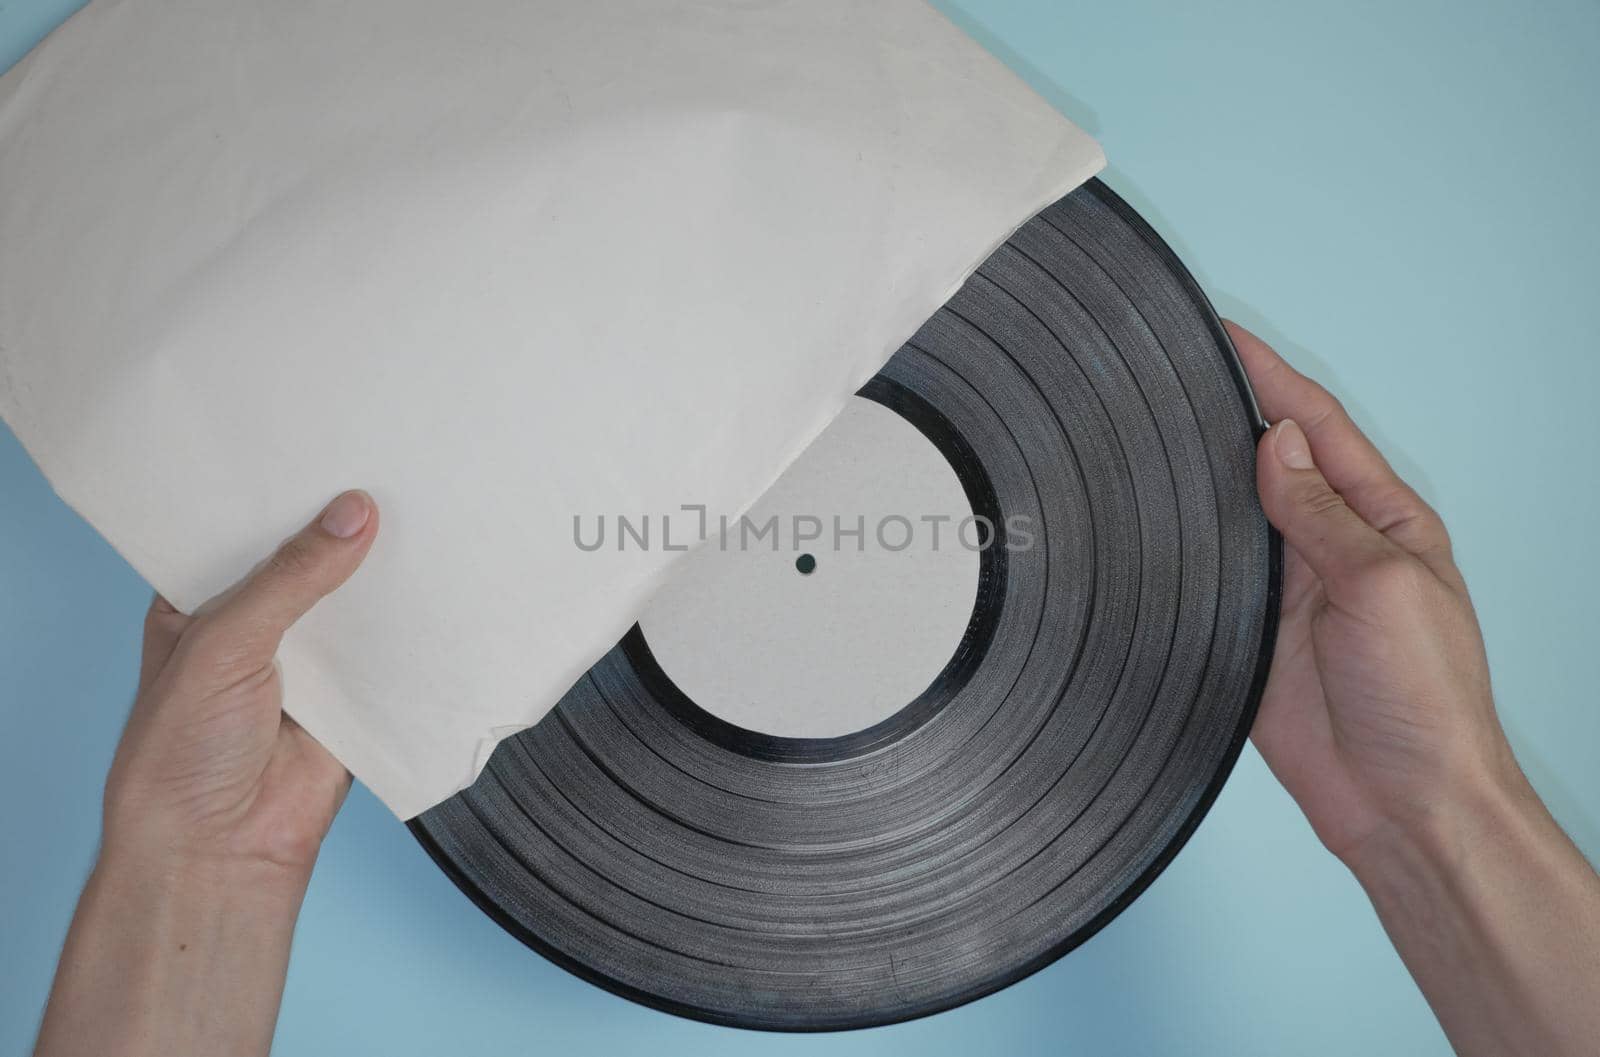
499	262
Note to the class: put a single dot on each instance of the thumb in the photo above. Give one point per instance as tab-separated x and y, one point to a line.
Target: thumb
249	622
1314	519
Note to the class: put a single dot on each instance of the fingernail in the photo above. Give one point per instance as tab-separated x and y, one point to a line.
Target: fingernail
346	515
1291	447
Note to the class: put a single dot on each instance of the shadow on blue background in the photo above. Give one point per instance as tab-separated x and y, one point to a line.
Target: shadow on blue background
1399	196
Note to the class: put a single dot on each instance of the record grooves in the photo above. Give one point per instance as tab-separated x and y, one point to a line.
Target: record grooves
1101	694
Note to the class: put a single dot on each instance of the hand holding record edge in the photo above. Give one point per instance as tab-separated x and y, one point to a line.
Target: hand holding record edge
1379	720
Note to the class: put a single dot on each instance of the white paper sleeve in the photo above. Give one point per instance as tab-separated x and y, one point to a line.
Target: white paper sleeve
500	262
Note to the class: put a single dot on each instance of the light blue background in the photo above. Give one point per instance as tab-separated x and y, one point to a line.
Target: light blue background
1400	194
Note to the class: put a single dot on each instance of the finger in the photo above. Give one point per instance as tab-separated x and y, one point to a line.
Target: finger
1351	463
248	624
1315	520
163	625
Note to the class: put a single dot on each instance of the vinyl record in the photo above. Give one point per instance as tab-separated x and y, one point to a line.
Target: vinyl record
1101	694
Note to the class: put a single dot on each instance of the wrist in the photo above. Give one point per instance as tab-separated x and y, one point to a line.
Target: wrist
1493	910
1488	808
174	954
147	837
202	881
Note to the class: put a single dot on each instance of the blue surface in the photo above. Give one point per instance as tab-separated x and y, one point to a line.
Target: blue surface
1406	189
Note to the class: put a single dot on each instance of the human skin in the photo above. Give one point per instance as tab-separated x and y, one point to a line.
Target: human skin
215	808
1379	721
1377	718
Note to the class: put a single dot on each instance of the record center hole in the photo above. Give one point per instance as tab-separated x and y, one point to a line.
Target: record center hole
806	564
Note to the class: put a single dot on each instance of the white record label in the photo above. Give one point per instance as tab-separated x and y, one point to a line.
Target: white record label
838	598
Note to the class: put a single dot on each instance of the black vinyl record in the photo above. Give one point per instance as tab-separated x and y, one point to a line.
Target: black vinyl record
1101	694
